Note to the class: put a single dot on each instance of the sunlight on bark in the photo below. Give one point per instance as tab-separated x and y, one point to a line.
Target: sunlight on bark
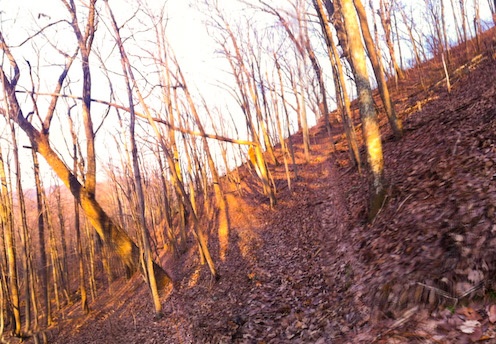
223	234
195	276
373	142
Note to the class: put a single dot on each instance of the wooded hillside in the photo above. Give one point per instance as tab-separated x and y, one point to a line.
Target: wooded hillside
157	215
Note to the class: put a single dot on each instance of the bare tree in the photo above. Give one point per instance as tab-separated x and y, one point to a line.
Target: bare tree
303	45
246	85
342	97
385	14
492	8
110	233
371	133
7	223
394	121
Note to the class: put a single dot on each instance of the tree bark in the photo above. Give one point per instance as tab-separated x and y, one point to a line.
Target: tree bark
342	98
371	133
9	242
394	121
41	240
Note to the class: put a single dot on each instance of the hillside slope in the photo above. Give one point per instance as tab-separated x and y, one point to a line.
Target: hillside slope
314	271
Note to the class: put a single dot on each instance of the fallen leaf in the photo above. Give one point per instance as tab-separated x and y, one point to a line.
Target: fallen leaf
469	313
492	313
469	326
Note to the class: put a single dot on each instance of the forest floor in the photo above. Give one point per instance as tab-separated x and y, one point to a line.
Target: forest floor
313	270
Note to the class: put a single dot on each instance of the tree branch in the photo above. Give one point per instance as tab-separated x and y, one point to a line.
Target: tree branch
156	119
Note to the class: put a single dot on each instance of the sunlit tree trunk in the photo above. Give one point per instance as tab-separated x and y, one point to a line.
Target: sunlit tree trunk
444	31
91	240
286	112
342	98
455	22
221	203
300	101
371	133
3	308
464	20
477	24
280	132
255	99
172	144
394	121
10	248
24	236
166	223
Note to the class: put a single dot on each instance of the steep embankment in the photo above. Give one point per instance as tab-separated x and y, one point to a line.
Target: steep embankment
313	271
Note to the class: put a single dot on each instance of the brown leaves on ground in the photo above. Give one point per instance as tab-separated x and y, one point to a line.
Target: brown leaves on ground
313	271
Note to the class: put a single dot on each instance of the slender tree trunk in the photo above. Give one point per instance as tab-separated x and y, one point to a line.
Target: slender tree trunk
394	121
221	203
397	32
280	132
26	254
166	223
77	225
342	98
477	25
44	275
456	23
10	248
286	112
385	8
444	31
302	112
371	133
148	262
463	18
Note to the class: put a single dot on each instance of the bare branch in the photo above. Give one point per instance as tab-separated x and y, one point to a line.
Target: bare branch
140	115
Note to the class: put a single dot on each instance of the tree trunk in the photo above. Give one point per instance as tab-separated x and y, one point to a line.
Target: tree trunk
371	133
77	225
41	241
394	121
221	203
26	254
9	242
342	98
129	80
385	9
